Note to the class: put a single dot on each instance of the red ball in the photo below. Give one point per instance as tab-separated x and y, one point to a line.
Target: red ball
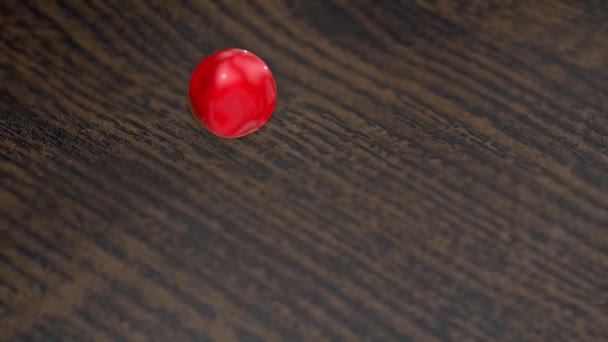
232	92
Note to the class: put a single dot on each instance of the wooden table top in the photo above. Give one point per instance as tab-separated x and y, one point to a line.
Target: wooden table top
433	170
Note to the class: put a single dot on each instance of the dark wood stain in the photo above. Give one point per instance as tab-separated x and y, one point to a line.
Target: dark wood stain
434	170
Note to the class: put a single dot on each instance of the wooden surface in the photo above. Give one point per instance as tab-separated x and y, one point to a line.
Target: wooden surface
434	170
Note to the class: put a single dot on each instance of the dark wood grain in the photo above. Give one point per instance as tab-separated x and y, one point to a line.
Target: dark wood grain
434	170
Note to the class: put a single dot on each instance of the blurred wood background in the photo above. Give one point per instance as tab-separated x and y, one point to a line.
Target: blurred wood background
434	170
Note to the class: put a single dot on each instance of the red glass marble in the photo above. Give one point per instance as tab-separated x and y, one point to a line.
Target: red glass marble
232	92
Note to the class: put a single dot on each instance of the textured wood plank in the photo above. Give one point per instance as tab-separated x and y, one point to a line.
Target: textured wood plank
434	170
